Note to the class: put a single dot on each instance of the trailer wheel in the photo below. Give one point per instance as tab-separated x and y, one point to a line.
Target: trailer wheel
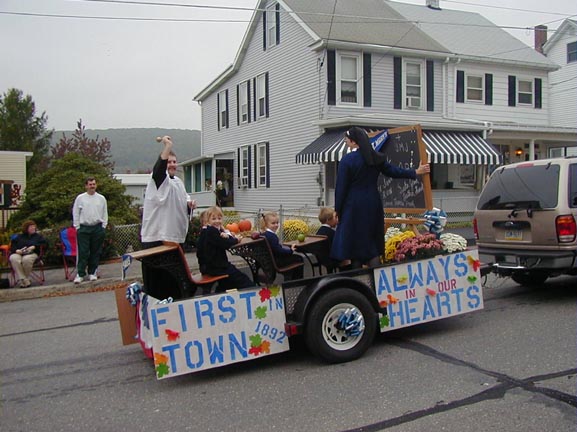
340	326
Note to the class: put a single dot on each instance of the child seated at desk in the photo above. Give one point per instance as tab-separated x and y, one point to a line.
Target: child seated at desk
283	255
212	245
328	220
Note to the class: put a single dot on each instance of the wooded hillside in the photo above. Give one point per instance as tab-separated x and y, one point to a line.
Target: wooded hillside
136	150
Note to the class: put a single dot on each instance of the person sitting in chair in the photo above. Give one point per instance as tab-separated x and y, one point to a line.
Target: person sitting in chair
24	250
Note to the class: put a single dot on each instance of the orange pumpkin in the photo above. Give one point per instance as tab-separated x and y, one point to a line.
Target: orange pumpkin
233	227
245	225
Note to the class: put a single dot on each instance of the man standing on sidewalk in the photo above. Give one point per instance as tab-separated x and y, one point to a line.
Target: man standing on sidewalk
90	217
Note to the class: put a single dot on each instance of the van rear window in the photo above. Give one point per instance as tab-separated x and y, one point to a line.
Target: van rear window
522	187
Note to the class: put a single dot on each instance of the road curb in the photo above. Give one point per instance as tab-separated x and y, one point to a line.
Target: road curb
16	294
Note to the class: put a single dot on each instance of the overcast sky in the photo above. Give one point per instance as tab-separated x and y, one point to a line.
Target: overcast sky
127	73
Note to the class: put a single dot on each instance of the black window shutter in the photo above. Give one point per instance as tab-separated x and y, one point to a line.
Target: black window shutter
430	85
226	97
238	167
367	66
331	78
538	93
488	89
248	100
277	23
237	105
460	86
264	30
512	90
266	98
398	83
254	98
267	165
255	162
249	168
218	111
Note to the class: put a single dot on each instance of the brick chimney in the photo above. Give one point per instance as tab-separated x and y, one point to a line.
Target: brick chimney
540	37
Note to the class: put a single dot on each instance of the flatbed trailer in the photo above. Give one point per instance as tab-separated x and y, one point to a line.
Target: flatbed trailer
338	314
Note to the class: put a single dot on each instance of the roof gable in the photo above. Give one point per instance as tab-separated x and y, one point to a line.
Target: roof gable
568	26
387	24
470	34
367	22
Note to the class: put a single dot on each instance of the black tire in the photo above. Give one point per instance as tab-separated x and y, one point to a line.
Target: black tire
530	278
325	339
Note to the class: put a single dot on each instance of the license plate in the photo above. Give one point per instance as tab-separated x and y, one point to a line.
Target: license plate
514	235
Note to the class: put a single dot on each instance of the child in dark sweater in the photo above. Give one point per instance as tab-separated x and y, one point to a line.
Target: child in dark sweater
283	255
211	253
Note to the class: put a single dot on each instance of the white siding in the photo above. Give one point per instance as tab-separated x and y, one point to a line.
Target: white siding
382	95
563	84
13	167
293	86
500	110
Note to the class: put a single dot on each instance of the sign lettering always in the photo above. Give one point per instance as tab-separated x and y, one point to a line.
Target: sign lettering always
428	290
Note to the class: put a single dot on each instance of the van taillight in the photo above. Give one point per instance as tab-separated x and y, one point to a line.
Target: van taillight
566	228
475	230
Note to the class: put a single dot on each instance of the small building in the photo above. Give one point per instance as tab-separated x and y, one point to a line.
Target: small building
12	181
135	185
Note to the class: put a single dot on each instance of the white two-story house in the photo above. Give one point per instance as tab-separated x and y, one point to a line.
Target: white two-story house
273	122
562	50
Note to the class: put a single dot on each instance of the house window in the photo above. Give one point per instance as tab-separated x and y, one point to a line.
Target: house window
572	52
244	162
525	92
413	84
474	88
348	78
271	25
243	101
223	109
261	95
262	166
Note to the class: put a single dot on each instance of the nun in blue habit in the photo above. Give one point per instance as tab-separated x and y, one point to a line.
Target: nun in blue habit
360	232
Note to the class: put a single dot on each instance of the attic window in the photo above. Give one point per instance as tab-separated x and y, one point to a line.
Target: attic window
572	52
271	25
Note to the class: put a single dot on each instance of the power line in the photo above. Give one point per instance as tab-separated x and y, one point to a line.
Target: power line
375	20
505	8
95	17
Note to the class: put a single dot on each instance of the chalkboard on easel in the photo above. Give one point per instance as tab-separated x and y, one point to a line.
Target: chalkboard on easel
405	148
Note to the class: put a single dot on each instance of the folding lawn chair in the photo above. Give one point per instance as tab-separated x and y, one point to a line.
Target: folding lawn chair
69	251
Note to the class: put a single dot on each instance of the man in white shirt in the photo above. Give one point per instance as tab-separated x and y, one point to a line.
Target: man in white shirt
166	205
164	217
90	217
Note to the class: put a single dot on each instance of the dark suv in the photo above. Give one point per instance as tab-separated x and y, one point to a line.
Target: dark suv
525	221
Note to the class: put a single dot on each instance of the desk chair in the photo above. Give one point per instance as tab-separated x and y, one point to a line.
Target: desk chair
259	257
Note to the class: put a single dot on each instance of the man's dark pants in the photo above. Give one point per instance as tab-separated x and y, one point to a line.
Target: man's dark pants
90	239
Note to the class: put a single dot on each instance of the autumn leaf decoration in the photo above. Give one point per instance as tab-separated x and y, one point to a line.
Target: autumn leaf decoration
160	363
260	312
473	262
264	294
384	321
258	345
172	335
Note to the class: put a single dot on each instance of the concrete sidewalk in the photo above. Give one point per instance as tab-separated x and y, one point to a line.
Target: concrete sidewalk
110	276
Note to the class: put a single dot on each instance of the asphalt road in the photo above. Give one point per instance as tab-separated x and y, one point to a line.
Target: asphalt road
510	367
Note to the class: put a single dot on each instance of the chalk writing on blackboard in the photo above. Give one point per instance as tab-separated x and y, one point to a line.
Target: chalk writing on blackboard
405	149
